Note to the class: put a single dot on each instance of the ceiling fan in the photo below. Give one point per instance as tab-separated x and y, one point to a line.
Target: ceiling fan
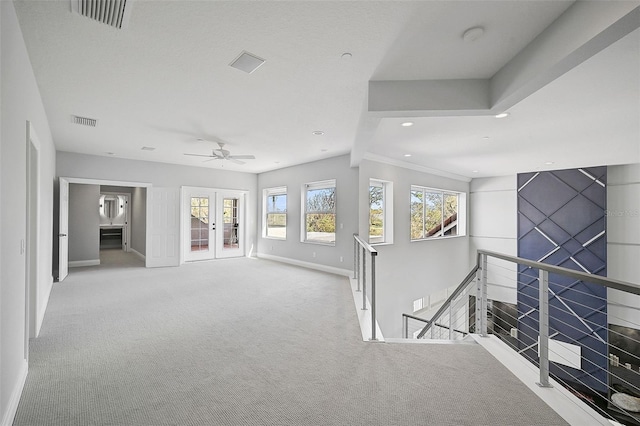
223	154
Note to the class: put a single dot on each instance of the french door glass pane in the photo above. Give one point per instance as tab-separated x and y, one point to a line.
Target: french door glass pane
231	223
199	223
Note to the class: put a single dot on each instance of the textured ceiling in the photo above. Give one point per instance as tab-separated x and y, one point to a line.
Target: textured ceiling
164	81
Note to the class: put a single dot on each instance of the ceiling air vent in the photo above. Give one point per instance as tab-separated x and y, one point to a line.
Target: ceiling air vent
247	62
85	121
114	13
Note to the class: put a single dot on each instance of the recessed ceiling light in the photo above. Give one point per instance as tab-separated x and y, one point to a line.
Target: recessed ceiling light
472	34
407	155
277	162
148	148
548	163
324	150
486	138
407	124
346	55
110	153
474	171
502	115
318	132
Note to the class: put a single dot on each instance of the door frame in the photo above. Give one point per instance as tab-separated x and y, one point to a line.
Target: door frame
106	182
221	252
33	218
219	194
186	193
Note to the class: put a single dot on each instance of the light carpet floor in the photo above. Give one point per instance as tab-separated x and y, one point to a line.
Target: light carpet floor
247	342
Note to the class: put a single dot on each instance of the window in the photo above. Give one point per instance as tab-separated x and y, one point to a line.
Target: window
275	208
435	213
380	211
319	221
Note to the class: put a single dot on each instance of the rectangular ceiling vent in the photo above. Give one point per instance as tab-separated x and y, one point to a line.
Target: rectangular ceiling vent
85	121
114	13
247	62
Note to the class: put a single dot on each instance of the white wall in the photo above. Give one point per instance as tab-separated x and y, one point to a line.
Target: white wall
346	215
493	226
20	102
160	175
623	241
84	223
407	270
139	220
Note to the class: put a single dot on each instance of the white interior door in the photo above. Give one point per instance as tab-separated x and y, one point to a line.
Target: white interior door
231	224
63	230
199	224
163	227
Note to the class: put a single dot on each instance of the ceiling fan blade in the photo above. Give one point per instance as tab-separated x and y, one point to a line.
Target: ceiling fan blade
210	159
198	155
244	157
233	160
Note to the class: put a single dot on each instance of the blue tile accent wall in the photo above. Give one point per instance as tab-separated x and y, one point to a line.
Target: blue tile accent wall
561	221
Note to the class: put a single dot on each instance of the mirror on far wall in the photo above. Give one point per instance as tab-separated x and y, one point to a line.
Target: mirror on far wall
109	206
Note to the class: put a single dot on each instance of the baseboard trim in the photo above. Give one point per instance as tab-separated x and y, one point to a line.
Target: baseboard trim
309	265
137	253
12	407
81	263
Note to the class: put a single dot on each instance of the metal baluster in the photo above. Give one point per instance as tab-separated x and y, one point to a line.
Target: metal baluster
358	275
373	296
364	280
483	307
450	320
355	266
405	326
543	345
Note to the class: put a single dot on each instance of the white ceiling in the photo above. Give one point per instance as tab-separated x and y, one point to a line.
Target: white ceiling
164	81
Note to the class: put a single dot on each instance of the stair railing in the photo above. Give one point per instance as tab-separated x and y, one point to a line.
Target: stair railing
360	250
556	325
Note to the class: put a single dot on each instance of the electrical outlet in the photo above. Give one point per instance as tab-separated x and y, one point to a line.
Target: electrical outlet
314	254
341	259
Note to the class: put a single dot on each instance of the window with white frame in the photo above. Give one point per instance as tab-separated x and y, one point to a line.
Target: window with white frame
275	213
380	211
319	212
436	213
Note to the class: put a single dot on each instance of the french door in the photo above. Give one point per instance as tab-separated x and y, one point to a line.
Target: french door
213	223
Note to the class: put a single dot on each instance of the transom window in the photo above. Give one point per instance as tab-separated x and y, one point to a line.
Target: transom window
319	211
435	213
275	213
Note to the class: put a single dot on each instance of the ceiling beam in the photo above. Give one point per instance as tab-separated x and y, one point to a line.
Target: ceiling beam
582	31
418	98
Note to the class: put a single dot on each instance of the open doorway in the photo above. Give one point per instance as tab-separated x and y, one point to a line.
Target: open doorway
105	222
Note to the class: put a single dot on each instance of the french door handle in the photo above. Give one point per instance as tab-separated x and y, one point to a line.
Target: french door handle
62	235
213	226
